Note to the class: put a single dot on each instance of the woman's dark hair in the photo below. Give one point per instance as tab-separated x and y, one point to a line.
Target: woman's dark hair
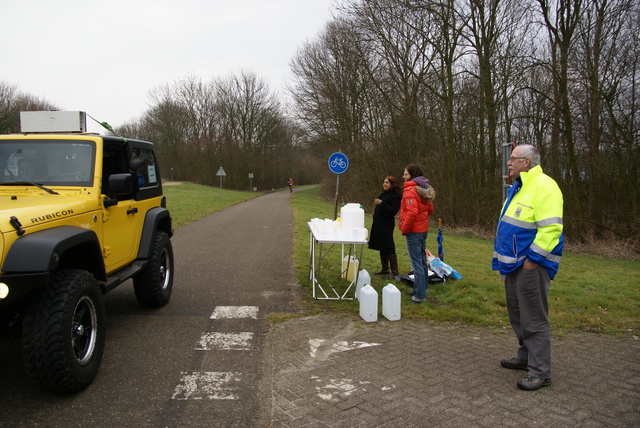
395	188
414	170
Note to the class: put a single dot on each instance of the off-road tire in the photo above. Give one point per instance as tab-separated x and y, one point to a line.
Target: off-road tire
64	332
153	285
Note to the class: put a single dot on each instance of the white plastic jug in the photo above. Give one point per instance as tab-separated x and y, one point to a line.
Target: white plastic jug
369	303
363	279
352	216
391	302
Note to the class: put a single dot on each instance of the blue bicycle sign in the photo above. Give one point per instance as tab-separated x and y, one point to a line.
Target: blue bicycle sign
338	163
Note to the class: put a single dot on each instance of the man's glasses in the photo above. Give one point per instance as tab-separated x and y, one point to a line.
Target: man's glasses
512	158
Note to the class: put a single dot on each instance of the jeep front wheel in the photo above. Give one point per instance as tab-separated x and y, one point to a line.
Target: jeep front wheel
64	332
154	283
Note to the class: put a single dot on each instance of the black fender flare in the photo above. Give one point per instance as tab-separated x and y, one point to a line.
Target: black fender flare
157	218
42	251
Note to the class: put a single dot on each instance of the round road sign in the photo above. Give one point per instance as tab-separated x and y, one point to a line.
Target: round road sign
338	163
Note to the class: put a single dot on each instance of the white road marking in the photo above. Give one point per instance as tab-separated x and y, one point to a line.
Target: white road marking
226	341
208	386
221	312
318	347
338	389
217	385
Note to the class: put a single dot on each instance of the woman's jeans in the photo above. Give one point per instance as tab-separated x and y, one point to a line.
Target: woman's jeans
416	246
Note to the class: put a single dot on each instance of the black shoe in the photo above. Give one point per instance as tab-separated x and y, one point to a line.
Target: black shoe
409	293
531	383
514	364
382	272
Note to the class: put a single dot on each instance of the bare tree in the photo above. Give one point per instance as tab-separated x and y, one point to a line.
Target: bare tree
561	18
13	101
601	64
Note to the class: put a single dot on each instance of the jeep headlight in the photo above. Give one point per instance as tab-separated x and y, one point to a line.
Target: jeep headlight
4	290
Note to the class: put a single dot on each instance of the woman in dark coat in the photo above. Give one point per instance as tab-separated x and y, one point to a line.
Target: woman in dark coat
381	237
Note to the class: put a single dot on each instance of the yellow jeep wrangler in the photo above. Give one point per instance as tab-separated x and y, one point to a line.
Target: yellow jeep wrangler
80	214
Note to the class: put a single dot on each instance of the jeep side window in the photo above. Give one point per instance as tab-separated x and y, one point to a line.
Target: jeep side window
114	161
145	167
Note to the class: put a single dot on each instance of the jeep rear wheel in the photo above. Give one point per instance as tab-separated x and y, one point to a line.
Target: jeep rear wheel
64	332
153	285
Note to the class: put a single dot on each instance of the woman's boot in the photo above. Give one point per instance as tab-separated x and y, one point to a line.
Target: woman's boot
384	260
393	260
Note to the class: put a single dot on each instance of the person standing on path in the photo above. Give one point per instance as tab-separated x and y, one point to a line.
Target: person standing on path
415	209
527	252
381	239
290	182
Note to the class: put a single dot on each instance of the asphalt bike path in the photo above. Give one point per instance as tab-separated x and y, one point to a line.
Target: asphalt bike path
198	360
241	257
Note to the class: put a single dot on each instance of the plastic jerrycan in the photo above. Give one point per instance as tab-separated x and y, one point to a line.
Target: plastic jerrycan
369	303
352	263
352	216
391	298
363	279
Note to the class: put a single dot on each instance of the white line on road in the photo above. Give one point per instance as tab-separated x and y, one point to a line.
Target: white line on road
217	385
221	312
208	386
226	341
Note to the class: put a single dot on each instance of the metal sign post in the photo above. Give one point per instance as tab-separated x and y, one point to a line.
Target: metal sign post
251	181
338	163
507	148
221	174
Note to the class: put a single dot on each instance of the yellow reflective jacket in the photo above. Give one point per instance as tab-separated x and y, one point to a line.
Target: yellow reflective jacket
530	225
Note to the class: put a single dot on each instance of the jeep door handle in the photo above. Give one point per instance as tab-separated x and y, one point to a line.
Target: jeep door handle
132	211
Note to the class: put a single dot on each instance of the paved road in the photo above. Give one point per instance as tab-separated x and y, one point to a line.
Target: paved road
195	362
189	364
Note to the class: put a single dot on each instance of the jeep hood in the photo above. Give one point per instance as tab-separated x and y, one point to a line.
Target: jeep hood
36	207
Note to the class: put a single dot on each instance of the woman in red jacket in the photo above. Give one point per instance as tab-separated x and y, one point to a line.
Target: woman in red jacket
415	209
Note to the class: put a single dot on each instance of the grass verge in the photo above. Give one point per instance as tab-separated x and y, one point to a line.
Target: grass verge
188	202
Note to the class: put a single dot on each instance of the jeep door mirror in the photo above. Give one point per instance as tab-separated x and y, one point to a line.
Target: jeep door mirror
121	184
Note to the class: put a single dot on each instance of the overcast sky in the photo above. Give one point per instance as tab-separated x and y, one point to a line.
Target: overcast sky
103	57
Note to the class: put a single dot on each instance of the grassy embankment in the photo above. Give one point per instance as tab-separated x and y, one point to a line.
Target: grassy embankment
589	293
188	202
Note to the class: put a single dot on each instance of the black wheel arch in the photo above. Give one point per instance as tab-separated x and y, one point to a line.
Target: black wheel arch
157	218
58	247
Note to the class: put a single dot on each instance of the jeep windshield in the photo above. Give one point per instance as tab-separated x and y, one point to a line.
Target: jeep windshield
47	162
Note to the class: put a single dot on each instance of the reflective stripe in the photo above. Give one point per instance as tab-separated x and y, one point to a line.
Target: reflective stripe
553	258
519	223
505	259
536	249
547	255
528	225
550	221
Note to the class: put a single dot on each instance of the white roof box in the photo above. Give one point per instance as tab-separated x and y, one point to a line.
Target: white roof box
53	121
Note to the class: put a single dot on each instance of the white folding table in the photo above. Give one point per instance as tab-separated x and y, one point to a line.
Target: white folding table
318	239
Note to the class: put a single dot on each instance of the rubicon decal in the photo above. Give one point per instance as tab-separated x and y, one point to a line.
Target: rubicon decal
51	216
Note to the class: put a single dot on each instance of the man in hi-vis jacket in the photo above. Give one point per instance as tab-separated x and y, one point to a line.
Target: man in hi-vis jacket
527	252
